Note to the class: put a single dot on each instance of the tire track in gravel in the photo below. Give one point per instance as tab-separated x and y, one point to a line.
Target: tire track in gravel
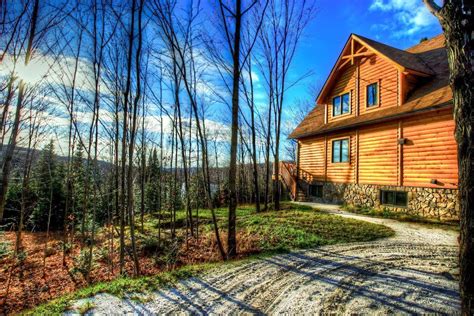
411	272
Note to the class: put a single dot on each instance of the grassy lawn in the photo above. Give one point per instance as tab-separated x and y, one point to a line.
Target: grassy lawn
403	217
299	227
259	234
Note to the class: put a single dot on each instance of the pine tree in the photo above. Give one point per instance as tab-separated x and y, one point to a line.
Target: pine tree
152	196
77	179
49	187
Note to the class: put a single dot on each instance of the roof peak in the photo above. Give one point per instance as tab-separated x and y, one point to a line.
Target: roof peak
404	61
428	95
409	49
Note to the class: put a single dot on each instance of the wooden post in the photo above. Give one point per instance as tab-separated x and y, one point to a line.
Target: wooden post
297	161
325	158
356	178
325	114
400	154
352	51
357	87
380	92
401	88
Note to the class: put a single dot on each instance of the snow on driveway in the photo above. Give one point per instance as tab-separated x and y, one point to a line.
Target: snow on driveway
408	273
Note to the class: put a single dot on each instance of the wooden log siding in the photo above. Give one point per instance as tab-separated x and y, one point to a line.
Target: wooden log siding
341	171
378	154
430	151
355	79
346	84
377	69
376	158
311	157
316	158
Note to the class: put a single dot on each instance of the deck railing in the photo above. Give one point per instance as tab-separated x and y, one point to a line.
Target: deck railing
288	174
306	176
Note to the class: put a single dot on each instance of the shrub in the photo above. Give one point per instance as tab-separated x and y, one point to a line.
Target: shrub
21	256
65	246
102	254
150	245
168	255
81	263
50	251
5	247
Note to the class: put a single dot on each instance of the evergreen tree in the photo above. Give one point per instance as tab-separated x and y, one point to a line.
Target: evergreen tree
77	179
152	195
48	184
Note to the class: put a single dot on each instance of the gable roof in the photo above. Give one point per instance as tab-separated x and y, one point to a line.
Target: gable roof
403	58
434	93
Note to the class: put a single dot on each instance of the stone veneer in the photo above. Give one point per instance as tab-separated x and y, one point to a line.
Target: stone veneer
427	202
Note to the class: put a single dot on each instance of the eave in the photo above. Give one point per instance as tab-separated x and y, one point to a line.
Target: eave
375	120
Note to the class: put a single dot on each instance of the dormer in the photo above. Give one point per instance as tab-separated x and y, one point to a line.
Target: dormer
369	76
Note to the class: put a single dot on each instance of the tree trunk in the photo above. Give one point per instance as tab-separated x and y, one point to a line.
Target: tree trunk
461	81
7	161
6	107
458	27
133	132
231	238
254	144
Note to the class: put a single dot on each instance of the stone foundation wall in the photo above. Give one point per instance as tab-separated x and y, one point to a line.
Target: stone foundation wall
427	202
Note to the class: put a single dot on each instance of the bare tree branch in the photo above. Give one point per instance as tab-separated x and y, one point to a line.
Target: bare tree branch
433	7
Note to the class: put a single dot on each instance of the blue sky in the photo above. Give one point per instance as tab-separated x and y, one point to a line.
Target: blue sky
400	23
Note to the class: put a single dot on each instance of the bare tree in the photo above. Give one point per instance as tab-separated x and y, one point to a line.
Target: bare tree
250	100
7	160
281	34
35	122
233	43
164	13
133	128
22	45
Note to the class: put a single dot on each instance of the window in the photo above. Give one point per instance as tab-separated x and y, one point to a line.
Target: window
341	104
336	106
372	95
316	190
395	198
345	103
340	150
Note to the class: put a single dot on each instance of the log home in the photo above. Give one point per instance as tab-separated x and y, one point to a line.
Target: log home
381	133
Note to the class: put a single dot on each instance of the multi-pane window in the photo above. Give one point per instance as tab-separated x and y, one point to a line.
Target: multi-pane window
395	198
372	95
316	190
340	150
341	104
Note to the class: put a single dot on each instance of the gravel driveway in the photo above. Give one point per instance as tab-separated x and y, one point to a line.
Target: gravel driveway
411	272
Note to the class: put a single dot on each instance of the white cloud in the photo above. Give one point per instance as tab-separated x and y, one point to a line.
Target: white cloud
44	69
214	129
410	16
393	4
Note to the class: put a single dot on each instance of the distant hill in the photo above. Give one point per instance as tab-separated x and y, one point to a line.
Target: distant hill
218	175
19	157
